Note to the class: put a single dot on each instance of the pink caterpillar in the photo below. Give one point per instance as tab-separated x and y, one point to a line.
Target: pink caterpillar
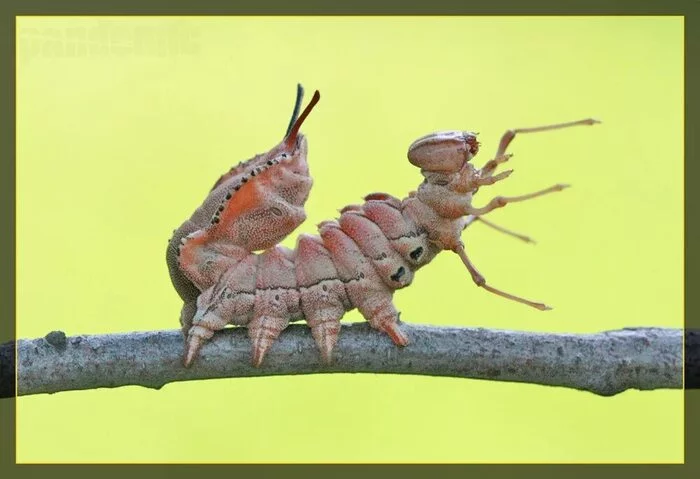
358	261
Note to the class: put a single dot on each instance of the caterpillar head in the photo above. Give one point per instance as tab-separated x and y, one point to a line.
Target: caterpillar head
443	151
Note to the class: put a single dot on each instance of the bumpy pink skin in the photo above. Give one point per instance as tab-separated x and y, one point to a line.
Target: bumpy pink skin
321	279
357	261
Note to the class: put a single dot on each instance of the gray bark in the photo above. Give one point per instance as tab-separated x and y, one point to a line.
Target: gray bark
604	363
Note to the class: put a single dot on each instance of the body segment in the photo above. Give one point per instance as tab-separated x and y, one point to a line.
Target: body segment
320	280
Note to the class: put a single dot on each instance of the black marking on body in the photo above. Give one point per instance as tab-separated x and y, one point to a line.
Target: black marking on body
399	273
415	254
235	293
247	293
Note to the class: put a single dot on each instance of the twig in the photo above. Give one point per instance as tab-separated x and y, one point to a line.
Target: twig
605	363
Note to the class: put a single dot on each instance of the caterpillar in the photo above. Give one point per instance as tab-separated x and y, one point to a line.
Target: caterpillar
227	266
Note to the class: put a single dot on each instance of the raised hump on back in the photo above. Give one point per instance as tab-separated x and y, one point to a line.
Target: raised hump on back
261	201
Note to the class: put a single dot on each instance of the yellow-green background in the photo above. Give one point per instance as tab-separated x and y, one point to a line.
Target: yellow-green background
121	135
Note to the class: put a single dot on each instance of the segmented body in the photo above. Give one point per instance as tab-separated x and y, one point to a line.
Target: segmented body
358	261
227	266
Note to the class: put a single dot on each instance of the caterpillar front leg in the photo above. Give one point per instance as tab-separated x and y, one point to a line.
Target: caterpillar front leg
509	135
480	281
501	201
471	219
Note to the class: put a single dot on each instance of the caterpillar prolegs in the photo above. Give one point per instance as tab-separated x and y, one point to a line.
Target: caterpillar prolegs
357	261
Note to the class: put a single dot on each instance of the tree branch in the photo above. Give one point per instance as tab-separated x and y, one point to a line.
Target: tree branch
605	363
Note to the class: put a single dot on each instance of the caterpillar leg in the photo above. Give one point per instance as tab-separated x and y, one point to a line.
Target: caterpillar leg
522	237
501	201
509	135
491	165
480	281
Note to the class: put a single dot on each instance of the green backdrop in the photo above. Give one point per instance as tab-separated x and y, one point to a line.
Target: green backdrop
125	123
